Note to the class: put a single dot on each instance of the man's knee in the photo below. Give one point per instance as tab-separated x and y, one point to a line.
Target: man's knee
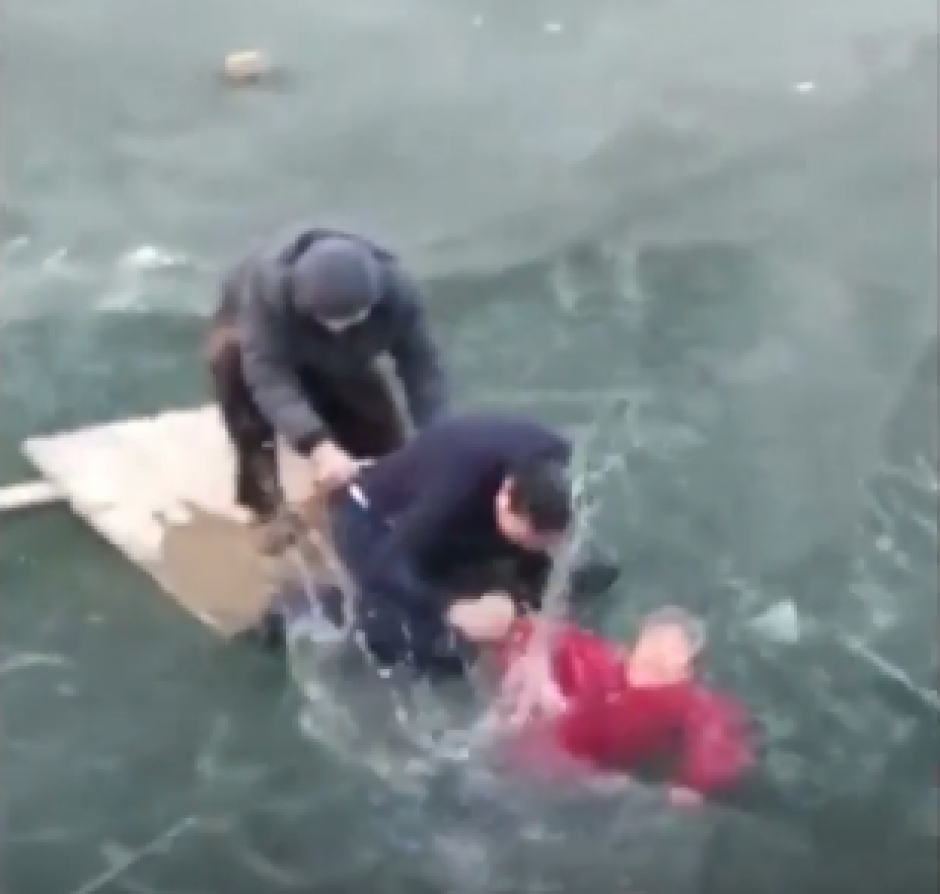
223	346
223	352
257	483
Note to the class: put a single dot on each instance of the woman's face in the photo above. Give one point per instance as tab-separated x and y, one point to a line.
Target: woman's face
664	649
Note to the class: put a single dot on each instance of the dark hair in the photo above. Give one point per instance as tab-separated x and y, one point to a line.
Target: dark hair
539	491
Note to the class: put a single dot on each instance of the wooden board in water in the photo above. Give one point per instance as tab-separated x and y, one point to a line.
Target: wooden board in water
160	490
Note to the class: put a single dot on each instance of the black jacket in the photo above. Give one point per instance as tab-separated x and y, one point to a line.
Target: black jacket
281	347
438	493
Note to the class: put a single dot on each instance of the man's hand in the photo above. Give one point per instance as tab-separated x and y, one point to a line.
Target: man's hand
529	691
679	796
483	621
332	467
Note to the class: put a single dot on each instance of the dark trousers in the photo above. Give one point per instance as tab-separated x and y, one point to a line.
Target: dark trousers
360	413
398	616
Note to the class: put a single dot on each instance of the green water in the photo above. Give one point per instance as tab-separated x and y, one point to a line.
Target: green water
738	277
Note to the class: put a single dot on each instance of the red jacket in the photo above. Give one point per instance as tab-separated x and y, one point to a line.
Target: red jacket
612	725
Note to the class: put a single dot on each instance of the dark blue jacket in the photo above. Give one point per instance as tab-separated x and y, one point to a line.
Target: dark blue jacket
438	493
281	348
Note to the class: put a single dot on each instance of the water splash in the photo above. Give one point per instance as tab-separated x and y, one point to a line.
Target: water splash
511	701
319	658
586	480
149	258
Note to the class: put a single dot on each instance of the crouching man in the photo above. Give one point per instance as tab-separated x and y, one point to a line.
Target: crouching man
292	352
471	492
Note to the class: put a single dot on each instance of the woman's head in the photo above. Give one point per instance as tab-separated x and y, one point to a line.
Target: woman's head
669	641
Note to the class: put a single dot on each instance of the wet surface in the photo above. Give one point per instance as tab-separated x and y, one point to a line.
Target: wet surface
728	281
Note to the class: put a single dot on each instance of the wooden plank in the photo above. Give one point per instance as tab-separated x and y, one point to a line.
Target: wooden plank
160	490
30	495
210	564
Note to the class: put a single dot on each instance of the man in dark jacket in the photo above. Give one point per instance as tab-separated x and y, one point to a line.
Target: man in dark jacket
293	350
470	492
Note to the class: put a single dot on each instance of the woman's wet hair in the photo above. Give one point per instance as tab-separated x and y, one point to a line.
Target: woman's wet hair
693	627
540	492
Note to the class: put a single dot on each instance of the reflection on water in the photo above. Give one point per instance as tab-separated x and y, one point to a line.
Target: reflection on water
753	287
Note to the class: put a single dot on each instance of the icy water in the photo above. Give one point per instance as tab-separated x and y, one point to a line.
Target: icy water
721	223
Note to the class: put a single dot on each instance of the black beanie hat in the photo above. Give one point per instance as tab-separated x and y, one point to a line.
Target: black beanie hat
336	279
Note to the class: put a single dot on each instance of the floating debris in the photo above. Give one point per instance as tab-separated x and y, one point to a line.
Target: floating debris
246	67
779	624
57	261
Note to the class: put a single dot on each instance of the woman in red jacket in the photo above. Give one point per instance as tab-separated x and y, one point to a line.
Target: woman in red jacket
607	708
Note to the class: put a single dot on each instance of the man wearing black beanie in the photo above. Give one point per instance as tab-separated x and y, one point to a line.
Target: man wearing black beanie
292	352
